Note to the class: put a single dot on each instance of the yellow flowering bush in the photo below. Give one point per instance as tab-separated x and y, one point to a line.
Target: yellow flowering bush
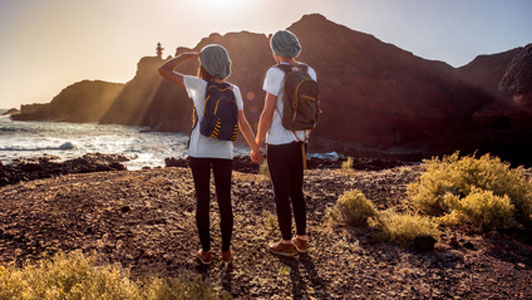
455	177
74	276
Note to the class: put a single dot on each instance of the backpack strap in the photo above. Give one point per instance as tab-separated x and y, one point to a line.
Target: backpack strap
288	69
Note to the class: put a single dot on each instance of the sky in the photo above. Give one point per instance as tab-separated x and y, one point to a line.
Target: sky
46	45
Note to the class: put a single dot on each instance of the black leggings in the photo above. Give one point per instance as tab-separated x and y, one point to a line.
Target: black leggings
286	169
201	172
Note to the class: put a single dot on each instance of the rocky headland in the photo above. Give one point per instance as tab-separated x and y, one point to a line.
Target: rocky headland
82	102
9	112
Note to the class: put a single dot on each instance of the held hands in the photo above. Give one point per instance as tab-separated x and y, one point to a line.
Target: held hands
256	155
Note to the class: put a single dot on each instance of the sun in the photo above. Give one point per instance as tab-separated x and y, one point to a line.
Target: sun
223	6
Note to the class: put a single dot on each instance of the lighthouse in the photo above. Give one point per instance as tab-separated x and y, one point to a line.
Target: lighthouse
159	50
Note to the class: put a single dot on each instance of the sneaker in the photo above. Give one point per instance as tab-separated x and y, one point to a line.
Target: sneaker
205	257
300	245
281	248
227	256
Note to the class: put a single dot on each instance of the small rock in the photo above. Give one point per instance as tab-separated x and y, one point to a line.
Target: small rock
520	266
124	209
469	245
424	243
454	242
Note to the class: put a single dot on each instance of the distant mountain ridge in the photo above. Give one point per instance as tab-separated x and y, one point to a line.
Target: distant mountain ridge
378	99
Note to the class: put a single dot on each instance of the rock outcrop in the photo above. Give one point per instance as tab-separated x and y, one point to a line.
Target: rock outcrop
25	169
130	106
84	101
486	71
11	111
517	80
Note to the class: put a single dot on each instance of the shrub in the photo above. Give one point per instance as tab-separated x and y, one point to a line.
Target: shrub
461	176
74	276
351	208
403	229
348	164
481	209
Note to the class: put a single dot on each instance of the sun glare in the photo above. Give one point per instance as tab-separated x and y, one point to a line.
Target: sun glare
224	6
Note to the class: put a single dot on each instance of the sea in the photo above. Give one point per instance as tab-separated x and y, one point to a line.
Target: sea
70	140
30	139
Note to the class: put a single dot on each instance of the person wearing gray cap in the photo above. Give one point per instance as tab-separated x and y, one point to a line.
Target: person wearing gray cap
285	147
206	153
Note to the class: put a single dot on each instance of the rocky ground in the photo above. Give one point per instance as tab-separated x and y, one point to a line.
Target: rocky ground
145	221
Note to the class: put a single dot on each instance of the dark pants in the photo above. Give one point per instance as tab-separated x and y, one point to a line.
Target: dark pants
201	172
286	169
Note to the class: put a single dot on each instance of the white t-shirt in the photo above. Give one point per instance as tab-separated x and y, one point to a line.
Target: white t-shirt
273	84
200	145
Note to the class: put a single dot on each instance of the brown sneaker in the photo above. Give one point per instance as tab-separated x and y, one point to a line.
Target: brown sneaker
281	248
227	256
205	257
300	245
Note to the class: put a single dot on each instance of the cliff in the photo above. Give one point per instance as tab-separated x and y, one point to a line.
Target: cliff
130	105
517	80
84	101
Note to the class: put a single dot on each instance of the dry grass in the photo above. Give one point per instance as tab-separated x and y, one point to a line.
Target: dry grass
74	276
481	210
403	228
348	164
264	170
462	179
352	208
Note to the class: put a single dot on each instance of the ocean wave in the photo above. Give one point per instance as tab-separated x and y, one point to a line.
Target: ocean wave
64	146
329	155
11	129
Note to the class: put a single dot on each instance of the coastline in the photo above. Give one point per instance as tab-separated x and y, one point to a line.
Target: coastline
32	168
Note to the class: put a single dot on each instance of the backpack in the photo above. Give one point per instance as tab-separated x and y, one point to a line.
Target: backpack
301	105
220	113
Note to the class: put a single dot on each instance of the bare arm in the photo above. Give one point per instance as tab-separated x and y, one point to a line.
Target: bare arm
167	70
266	117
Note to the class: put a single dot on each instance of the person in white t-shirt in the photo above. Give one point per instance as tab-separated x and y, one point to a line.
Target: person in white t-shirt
206	153
284	148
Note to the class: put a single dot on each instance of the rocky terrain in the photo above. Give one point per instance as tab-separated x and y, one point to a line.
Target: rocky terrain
378	100
144	220
26	169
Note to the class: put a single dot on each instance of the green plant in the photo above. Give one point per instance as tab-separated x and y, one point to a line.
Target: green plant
403	229
482	210
461	176
348	164
74	276
351	208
